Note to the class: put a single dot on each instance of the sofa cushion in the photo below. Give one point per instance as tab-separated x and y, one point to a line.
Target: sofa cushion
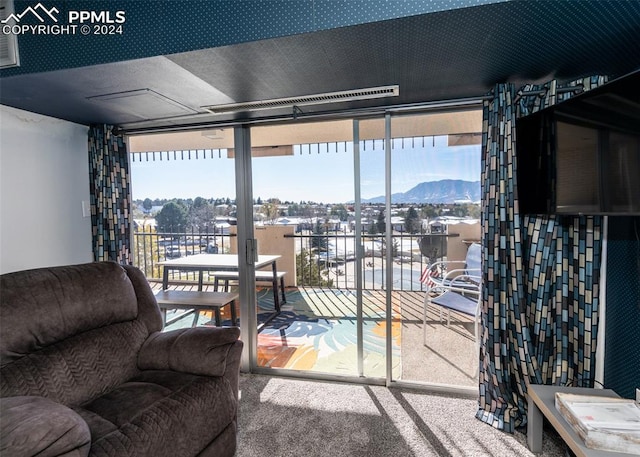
42	306
148	310
160	413
38	426
79	368
200	350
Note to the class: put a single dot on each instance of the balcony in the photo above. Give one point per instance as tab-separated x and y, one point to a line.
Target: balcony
316	328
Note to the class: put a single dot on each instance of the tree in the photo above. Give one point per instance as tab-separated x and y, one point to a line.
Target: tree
474	211
293	209
318	241
429	212
460	210
147	204
172	217
411	221
380	224
270	211
199	202
201	214
340	211
308	271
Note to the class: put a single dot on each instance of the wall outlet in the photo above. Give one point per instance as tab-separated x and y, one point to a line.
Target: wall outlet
86	209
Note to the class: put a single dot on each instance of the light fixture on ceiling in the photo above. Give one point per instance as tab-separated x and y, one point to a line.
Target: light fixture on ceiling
303	100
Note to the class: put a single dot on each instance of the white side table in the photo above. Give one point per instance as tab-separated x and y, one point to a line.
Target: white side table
542	404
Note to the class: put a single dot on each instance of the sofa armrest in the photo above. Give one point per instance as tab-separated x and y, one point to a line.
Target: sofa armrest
31	425
200	350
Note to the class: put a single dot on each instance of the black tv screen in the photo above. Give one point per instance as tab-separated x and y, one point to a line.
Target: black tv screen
582	156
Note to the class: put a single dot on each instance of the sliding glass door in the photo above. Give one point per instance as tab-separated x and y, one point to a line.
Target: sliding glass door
304	212
356	210
333	224
435	217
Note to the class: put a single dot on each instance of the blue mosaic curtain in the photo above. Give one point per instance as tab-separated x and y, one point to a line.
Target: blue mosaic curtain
109	181
541	274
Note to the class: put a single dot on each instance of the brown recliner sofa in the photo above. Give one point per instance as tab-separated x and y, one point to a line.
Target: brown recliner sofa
86	370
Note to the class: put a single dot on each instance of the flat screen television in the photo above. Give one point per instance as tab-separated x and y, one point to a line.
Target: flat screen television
582	156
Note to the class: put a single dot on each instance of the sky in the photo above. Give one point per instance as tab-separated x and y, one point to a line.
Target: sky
320	173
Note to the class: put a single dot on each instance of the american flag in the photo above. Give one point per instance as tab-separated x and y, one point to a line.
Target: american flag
427	276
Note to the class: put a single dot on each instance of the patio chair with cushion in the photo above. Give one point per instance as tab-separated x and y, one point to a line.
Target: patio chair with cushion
454	286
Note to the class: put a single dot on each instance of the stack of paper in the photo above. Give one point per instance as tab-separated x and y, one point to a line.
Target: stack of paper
611	424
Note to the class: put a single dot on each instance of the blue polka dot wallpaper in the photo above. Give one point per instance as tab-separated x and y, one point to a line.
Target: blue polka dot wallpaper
127	29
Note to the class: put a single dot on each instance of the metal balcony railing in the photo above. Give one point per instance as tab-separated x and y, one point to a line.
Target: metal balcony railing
151	247
322	260
329	260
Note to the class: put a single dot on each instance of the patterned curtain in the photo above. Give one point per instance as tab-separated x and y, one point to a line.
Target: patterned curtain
109	182
541	274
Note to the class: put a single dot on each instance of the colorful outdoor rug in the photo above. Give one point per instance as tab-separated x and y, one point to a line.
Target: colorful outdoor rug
317	331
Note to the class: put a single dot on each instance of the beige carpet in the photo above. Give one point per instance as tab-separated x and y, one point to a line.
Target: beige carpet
281	417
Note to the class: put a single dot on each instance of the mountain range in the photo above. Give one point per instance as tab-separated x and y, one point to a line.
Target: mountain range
444	191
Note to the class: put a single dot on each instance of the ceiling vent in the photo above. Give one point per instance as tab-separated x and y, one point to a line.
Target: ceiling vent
144	104
8	41
316	99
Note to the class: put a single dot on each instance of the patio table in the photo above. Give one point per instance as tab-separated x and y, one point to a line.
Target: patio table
219	262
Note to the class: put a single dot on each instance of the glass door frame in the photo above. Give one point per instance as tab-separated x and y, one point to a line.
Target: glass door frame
247	249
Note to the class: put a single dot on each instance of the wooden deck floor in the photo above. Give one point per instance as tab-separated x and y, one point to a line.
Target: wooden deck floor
448	357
